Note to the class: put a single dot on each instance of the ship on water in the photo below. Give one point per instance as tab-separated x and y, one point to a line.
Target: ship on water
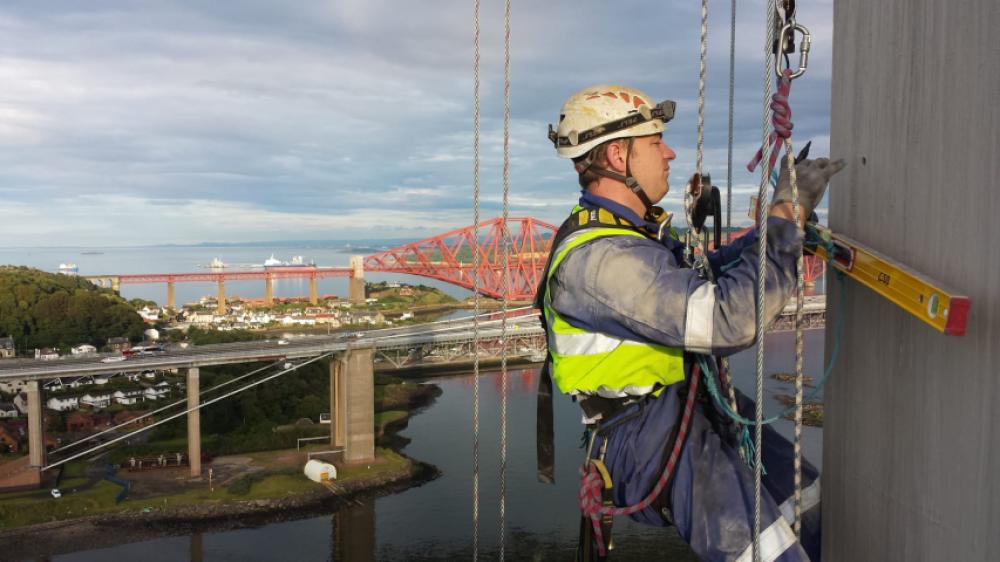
68	268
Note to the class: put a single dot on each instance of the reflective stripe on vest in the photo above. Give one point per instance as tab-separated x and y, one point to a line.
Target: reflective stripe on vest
603	364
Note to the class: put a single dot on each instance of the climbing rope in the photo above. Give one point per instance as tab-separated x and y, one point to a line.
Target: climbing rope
506	276
475	291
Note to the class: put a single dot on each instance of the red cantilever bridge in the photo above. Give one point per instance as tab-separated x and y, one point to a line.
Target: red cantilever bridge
448	257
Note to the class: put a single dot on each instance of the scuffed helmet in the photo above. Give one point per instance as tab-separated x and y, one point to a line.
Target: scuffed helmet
604	112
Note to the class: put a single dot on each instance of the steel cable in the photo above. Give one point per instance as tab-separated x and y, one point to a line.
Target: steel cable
506	278
765	180
474	246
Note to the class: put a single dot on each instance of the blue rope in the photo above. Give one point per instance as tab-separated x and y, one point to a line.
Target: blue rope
710	373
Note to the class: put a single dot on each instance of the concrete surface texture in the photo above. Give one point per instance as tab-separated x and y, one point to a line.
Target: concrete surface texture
912	426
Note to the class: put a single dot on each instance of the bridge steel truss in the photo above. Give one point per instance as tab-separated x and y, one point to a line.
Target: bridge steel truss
520	344
449	257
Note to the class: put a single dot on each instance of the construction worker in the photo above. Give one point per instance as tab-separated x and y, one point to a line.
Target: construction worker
626	317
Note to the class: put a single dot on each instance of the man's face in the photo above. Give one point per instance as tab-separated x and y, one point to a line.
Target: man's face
650	164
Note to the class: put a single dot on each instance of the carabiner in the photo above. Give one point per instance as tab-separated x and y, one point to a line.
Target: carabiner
793	26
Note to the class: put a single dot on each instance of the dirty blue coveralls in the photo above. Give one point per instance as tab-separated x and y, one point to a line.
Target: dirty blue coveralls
639	289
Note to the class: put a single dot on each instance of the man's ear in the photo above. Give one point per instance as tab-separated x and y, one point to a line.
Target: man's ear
616	156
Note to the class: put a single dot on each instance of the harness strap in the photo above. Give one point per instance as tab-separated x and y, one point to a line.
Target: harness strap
592	485
580	219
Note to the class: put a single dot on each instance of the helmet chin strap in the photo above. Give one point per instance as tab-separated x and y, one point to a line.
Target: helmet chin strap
629	181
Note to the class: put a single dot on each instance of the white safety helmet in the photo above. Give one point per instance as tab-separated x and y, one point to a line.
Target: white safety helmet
605	112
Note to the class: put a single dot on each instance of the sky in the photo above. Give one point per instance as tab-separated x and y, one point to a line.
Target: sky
176	122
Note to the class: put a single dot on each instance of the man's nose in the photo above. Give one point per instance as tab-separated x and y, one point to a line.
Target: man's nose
668	153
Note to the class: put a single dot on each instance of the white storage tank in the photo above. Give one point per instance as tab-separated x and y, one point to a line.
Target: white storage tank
319	471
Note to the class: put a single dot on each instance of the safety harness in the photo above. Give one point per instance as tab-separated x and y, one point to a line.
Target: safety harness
596	492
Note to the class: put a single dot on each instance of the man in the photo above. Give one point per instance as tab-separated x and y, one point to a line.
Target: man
627	318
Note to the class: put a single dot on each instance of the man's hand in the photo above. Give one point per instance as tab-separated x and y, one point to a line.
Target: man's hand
812	178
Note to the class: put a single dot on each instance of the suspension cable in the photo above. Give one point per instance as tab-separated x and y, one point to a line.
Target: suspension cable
732	91
475	291
506	278
765	180
158	410
187	411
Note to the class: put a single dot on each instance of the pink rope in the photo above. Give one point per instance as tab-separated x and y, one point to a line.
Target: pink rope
591	484
781	118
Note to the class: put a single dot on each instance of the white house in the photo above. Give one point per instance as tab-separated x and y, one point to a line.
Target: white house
152	334
53	384
161	390
63	403
77	382
149	314
46	354
101	379
128	397
83	349
21	403
12	386
97	399
8	410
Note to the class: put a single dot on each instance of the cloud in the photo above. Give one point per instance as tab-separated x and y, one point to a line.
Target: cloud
193	121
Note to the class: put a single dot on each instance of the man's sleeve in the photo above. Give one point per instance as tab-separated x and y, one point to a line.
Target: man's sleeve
633	288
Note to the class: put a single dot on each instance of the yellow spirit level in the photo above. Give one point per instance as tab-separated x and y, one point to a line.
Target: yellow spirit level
931	301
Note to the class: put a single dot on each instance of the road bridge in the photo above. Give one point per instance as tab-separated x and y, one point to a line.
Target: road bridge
351	377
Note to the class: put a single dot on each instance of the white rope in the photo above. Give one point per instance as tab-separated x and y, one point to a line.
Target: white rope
475	292
506	278
765	180
799	297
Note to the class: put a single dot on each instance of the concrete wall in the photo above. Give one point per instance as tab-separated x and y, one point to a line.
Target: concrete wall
912	435
357	394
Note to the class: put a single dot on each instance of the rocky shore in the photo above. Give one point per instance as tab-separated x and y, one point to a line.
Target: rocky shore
58	537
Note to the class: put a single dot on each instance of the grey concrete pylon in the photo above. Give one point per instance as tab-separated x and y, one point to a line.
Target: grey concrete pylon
36	429
352	404
194	421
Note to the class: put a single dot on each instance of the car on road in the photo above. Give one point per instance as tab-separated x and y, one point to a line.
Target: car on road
113	359
56	493
282	342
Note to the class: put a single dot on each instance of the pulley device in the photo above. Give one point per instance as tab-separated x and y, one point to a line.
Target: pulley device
701	200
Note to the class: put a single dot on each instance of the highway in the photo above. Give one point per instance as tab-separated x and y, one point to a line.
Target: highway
273	349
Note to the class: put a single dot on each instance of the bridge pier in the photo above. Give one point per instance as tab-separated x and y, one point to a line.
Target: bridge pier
116	285
36	427
313	292
220	307
171	302
194	421
268	291
356	291
352	404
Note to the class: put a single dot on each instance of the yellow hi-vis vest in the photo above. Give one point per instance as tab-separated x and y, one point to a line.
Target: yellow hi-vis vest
597	363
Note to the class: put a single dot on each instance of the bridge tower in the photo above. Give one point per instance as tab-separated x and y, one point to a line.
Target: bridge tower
910	435
357	282
352	400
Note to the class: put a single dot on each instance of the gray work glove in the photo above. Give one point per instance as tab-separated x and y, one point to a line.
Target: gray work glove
813	177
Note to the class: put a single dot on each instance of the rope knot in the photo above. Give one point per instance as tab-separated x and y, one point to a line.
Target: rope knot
781	120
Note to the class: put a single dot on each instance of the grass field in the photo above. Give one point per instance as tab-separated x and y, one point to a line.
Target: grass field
274	480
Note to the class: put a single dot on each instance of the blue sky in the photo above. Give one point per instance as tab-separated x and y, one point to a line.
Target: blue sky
181	122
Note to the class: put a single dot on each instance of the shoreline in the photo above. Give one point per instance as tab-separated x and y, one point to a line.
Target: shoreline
133	525
62	537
